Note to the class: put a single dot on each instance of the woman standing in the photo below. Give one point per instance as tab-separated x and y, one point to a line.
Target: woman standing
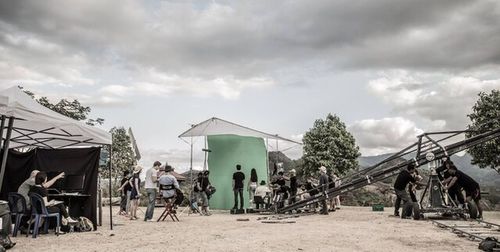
252	185
135	195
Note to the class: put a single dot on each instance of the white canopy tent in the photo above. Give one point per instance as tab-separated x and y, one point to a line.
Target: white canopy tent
216	126
38	126
27	124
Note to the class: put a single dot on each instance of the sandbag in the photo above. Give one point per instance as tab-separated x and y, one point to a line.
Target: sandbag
489	244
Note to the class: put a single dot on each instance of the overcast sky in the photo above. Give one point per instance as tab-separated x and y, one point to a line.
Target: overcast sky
389	69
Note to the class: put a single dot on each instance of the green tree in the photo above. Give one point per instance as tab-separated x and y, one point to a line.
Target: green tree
122	155
73	109
329	144
485	116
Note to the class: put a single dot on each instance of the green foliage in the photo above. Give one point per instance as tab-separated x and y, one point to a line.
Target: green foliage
485	116
72	109
122	155
329	144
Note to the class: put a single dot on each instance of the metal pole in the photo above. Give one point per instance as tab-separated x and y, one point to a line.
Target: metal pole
191	164
110	192
99	201
2	125
6	150
267	161
206	153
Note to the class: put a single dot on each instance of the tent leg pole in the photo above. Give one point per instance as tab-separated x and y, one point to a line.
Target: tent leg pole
205	165
99	202
2	125
6	150
191	165
267	160
110	192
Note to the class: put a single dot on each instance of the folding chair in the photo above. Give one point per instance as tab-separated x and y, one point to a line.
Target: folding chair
169	204
18	208
39	211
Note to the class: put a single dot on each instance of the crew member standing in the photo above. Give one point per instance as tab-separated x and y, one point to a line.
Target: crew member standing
150	185
403	179
238	178
323	184
293	186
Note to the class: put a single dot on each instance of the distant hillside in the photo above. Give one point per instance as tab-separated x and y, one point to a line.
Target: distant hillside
372	160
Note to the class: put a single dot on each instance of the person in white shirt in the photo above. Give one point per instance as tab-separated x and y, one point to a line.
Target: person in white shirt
261	191
169	183
150	186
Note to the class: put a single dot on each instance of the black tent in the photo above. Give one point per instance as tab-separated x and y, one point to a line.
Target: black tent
77	161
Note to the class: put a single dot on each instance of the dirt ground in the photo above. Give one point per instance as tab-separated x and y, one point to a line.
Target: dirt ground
348	229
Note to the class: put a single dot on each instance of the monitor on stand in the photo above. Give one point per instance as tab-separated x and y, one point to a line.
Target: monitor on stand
73	183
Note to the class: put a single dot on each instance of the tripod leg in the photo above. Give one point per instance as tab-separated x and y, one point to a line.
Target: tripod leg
425	190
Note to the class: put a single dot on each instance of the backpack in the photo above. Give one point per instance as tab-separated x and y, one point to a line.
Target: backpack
489	244
84	225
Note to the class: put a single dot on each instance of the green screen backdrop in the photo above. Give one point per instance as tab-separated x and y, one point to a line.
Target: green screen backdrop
226	152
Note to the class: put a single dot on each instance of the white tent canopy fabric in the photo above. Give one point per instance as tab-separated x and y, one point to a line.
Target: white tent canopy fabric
216	126
38	126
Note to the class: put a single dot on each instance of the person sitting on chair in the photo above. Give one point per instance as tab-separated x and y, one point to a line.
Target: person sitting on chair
25	187
260	193
168	184
52	206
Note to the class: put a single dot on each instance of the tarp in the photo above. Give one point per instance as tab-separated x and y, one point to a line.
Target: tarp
38	126
216	126
226	152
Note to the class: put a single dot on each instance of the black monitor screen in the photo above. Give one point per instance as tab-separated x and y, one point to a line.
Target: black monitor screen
73	183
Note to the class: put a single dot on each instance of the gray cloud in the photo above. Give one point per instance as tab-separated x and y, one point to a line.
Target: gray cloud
113	50
248	40
443	105
386	135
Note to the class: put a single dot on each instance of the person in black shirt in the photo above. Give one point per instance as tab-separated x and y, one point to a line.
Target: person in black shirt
444	175
412	187
123	193
238	178
403	179
470	186
203	184
280	189
293	186
52	206
135	195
